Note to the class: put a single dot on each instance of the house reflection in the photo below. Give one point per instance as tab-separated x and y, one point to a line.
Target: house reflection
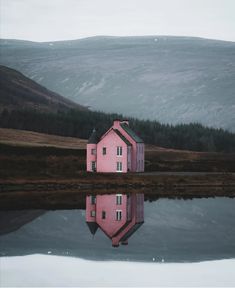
117	215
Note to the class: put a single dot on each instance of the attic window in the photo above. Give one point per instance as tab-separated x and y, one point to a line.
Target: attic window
93	151
104	151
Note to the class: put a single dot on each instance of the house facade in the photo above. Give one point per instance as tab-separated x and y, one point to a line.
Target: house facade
117	215
118	150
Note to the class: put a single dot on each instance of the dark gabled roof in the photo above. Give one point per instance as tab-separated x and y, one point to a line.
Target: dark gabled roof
93	226
122	137
131	133
131	231
94	139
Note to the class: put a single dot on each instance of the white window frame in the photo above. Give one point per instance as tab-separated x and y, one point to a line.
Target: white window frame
119	166
92	165
119	151
118	215
118	199
93	199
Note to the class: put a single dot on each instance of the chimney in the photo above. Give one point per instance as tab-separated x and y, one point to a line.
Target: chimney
117	122
115	242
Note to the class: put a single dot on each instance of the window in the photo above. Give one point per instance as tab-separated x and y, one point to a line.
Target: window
104	151
93	200
93	165
92	213
119	199
103	214
93	151
118	215
119	166
119	150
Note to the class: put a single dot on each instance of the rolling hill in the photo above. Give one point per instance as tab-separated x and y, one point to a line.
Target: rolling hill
19	92
169	79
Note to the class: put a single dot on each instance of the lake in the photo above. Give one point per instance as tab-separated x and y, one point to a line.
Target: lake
173	231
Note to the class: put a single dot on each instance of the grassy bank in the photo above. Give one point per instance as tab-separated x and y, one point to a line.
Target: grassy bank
42	162
70	194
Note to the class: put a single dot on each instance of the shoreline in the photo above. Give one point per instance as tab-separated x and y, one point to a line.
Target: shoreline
68	193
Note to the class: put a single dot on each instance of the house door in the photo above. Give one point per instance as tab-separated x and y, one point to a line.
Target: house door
93	166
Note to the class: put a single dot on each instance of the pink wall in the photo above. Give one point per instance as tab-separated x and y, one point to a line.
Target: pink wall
137	216
140	157
108	204
137	153
132	156
132	208
108	162
89	156
89	208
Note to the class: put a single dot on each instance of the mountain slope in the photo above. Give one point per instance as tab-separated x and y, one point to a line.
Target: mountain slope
18	91
170	79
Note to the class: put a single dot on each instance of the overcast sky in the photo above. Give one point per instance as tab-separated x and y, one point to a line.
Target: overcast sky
49	20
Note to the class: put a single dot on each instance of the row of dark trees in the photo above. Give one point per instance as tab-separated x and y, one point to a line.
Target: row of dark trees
77	123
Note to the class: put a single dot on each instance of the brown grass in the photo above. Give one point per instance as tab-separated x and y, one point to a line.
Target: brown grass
29	138
32	155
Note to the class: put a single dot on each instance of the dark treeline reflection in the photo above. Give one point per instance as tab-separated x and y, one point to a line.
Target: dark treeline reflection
170	230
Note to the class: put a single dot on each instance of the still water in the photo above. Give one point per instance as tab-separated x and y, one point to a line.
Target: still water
124	227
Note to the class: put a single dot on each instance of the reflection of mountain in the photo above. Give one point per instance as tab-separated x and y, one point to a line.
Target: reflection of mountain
13	220
118	216
174	230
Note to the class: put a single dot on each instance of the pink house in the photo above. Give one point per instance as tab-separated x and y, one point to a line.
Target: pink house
118	150
118	216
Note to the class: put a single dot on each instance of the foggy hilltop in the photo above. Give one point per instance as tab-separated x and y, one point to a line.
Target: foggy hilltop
169	79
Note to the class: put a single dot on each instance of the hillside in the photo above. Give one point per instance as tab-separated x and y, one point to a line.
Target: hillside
19	92
169	79
26	105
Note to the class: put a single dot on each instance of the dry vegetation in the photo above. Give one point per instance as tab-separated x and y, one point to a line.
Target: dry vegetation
48	172
29	138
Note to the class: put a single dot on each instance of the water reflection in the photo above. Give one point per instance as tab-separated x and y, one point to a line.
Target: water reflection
173	230
117	215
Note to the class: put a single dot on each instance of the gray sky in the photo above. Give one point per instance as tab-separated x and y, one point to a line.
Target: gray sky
49	20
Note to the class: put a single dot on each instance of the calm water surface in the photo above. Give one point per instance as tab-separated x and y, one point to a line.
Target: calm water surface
173	230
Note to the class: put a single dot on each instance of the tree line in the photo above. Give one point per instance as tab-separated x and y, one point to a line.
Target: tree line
76	123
